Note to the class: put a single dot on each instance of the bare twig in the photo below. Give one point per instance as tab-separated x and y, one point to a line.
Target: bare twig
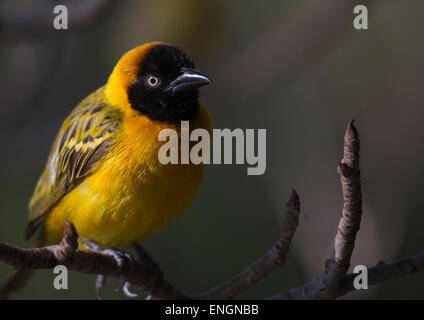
273	259
143	275
333	283
329	283
377	274
385	271
147	274
350	220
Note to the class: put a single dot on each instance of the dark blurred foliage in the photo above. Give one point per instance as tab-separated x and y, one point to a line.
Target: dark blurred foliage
302	94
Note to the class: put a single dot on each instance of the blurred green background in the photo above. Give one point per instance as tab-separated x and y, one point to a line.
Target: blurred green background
297	68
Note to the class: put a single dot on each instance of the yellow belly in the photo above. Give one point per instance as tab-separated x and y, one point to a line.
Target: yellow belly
131	195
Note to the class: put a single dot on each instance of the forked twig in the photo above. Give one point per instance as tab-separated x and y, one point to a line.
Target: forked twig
333	283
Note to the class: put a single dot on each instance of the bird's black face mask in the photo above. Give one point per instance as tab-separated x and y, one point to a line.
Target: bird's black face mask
166	87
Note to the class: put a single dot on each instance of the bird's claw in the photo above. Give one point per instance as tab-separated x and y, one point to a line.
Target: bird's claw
126	290
122	259
100	281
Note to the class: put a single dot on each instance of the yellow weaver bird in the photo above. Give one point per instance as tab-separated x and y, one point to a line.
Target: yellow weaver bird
103	172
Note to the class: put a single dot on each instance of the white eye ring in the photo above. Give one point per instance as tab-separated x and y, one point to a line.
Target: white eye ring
152	81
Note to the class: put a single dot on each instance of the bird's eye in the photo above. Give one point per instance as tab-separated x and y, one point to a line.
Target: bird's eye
152	81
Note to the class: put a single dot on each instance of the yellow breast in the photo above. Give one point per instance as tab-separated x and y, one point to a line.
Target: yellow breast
130	195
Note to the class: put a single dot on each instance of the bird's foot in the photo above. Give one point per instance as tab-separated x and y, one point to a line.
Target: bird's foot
145	258
156	284
100	282
122	259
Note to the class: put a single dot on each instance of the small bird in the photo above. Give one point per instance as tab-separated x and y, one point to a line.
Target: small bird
103	173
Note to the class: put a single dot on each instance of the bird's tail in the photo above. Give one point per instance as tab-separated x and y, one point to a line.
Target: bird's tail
19	277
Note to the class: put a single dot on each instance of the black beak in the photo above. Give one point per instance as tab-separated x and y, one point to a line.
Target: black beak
189	79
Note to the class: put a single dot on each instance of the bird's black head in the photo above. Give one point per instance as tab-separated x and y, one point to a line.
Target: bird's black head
166	86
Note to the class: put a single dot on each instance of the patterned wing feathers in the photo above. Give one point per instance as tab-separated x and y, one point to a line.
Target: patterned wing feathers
83	140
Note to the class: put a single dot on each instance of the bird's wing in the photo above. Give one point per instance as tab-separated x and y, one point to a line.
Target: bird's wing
83	140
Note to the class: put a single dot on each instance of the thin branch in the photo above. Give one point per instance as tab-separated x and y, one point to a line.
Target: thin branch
330	282
333	283
350	221
385	271
273	259
379	273
143	275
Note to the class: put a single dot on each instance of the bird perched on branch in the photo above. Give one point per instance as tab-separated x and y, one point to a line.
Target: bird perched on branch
103	172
